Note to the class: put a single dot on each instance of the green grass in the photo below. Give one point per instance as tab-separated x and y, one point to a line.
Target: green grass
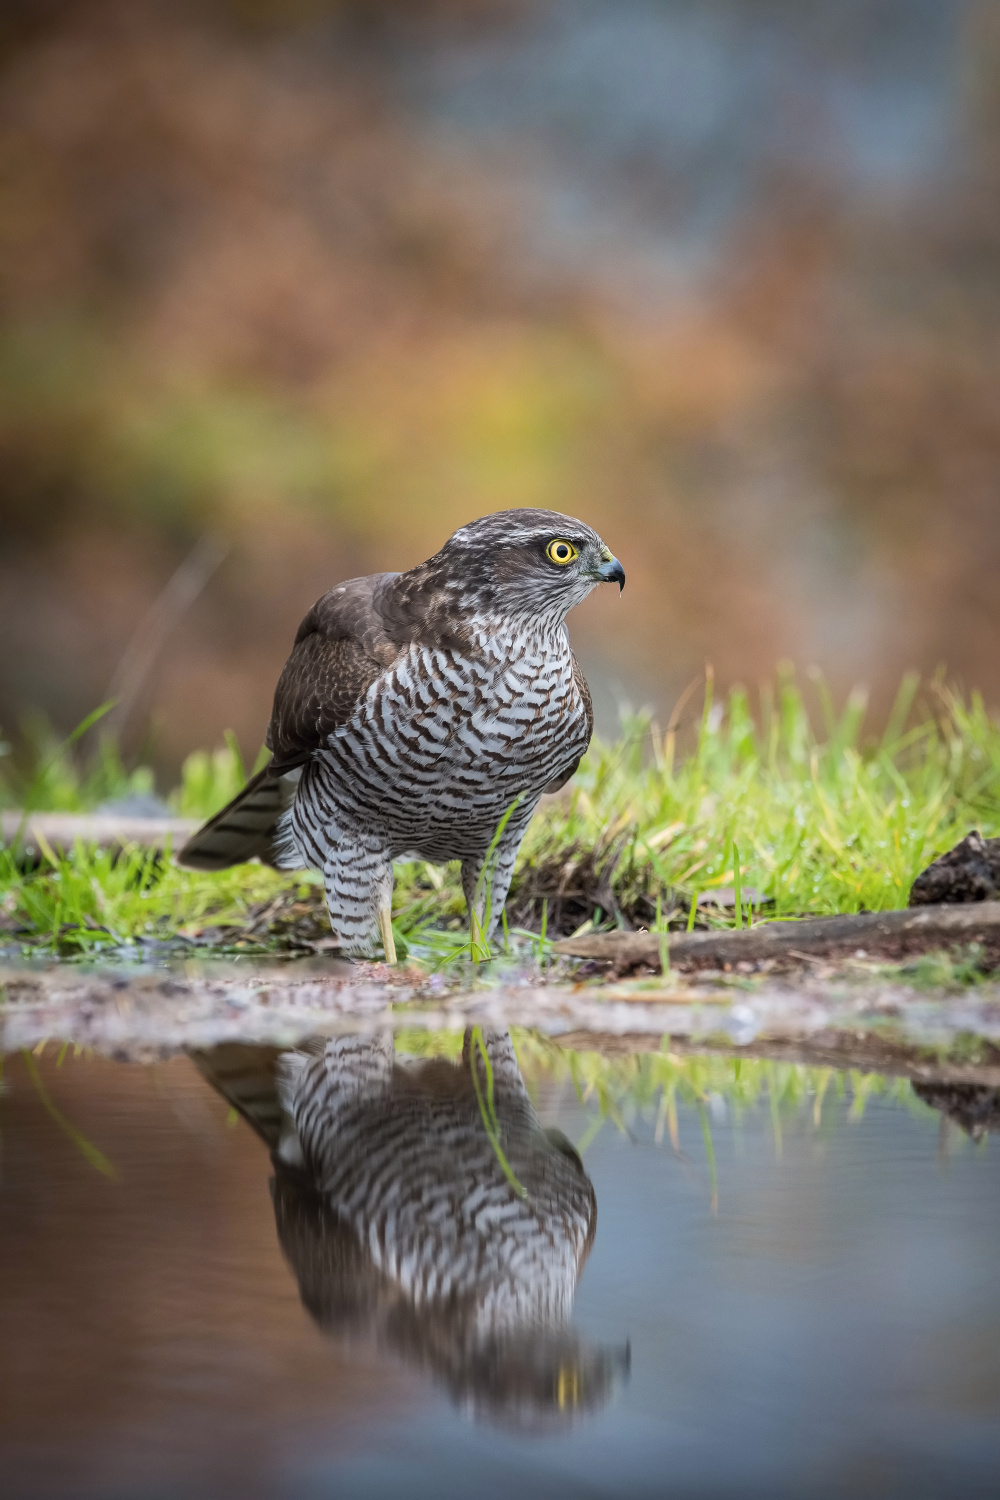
825	823
824	820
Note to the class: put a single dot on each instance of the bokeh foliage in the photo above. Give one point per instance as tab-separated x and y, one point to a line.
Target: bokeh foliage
246	291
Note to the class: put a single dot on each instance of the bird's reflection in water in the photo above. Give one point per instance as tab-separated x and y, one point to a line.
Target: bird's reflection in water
415	1214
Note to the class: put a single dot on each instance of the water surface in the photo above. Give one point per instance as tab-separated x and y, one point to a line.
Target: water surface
790	1287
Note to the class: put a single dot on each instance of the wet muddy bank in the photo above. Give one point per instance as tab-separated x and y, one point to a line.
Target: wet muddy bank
866	1022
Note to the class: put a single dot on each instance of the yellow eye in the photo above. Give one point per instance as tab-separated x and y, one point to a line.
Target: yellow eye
561	552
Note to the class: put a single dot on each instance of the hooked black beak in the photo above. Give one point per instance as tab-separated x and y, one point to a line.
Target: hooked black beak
612	572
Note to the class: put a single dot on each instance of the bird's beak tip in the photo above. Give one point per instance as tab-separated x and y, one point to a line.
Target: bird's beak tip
612	571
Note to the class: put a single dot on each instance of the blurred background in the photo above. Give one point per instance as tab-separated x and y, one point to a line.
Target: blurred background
291	288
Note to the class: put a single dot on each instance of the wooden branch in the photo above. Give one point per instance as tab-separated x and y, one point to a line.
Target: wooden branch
883	935
106	830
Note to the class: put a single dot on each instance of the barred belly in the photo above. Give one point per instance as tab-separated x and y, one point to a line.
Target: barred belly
444	744
442	747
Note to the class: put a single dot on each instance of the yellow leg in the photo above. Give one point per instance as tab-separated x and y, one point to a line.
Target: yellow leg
385	928
477	945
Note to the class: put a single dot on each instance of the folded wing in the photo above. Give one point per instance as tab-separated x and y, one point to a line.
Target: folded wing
340	649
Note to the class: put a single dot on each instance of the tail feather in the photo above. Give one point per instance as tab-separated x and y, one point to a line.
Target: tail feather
246	1077
245	829
255	1082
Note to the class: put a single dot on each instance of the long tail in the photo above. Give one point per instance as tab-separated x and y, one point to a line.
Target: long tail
254	1081
247	828
246	1077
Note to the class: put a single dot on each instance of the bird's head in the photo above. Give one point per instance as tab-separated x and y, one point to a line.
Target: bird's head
530	562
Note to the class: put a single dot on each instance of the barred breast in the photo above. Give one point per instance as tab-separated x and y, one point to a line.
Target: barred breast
446	741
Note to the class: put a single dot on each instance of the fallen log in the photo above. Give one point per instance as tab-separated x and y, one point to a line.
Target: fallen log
888	935
105	830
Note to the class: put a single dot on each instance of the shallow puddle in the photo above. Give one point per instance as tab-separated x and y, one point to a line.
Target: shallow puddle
763	1279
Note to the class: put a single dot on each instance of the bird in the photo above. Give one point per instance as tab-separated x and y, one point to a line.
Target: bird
421	715
446	1232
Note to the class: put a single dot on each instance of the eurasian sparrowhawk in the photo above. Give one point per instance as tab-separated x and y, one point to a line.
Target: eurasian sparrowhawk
416	712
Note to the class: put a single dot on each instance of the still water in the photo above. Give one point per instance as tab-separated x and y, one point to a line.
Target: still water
360	1271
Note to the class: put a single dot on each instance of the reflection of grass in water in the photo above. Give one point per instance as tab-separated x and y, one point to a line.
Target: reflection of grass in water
487	1107
826	823
630	1086
774	1102
625	1090
632	1083
648	1087
713	1177
87	1149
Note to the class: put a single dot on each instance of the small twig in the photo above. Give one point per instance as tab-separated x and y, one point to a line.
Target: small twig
174	601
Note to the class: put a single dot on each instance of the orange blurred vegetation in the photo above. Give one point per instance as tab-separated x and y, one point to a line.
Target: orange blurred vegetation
243	295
